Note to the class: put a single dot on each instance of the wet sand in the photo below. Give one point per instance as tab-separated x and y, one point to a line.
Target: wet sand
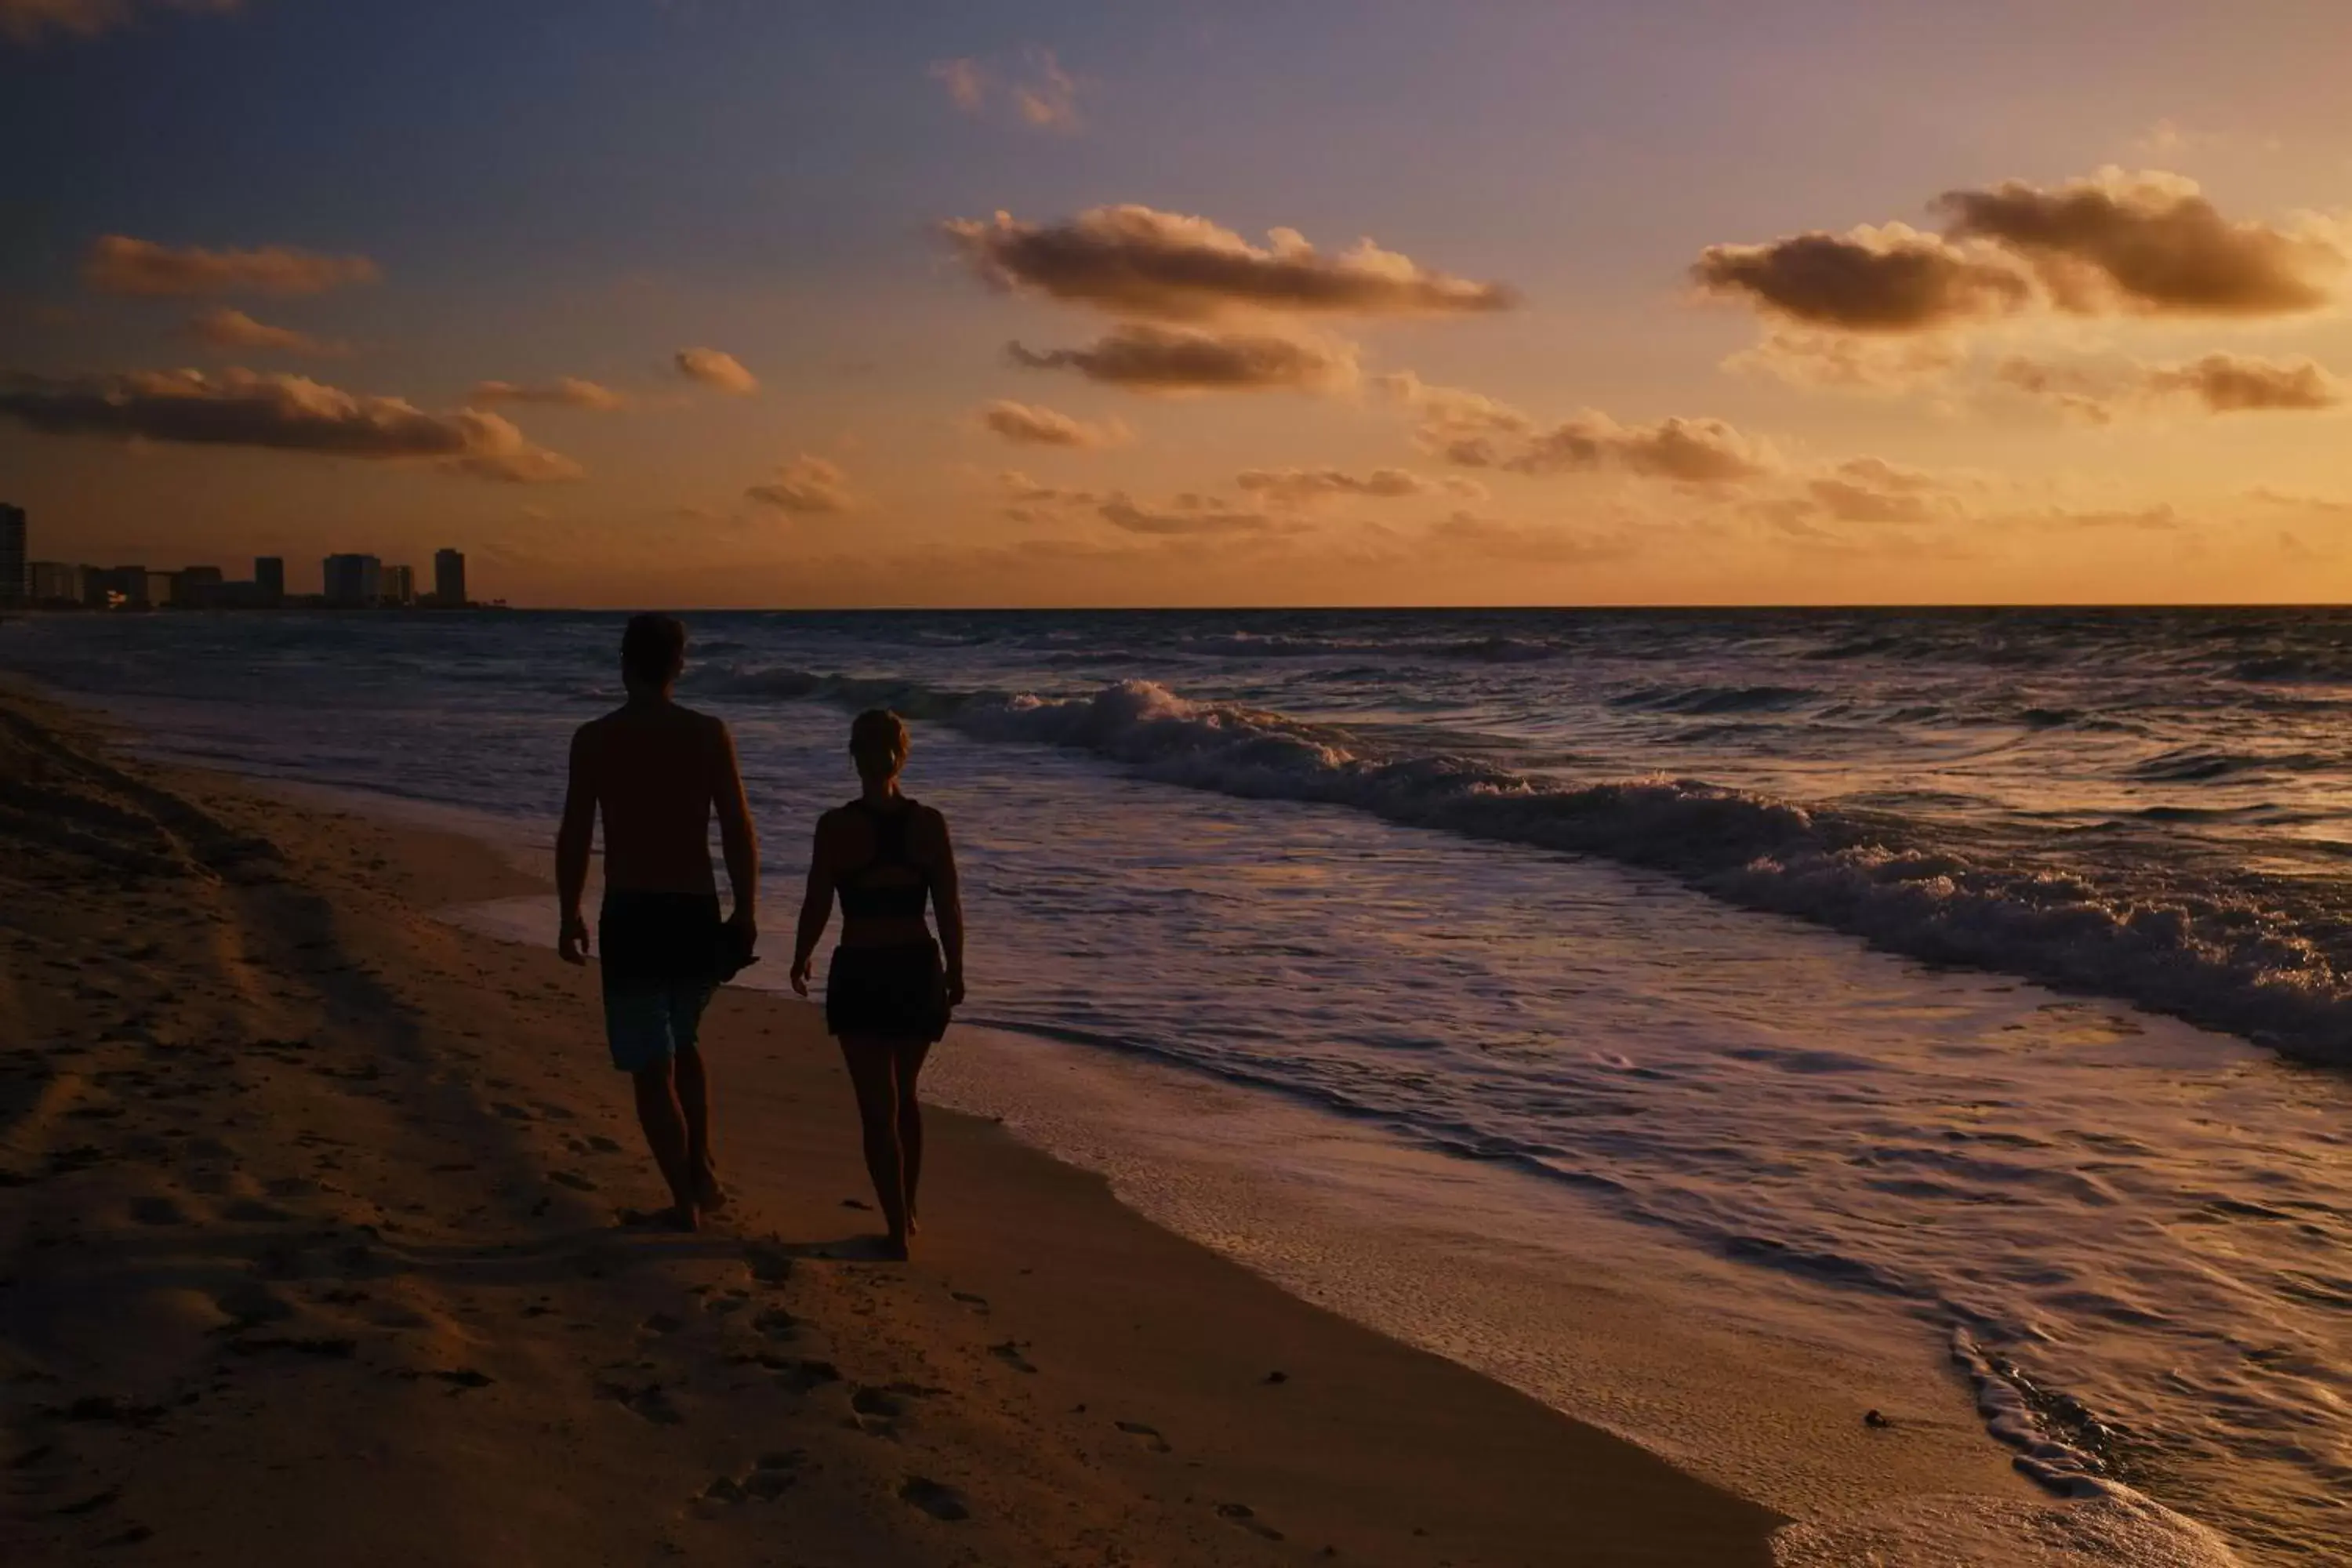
313	1208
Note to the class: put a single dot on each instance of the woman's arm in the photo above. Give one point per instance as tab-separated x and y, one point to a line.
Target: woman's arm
947	900
816	908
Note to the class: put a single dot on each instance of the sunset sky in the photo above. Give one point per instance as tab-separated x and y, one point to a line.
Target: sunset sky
763	303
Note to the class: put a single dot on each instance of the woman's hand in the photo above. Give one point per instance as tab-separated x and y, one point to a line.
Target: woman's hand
801	974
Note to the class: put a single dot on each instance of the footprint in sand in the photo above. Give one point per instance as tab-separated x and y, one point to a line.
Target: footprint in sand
1010	1354
650	1403
775	1324
603	1145
1243	1517
1148	1435
976	1303
661	1323
572	1179
157	1210
942	1502
768	1266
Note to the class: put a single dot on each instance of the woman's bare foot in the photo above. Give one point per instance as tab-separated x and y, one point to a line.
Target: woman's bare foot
709	1195
682	1216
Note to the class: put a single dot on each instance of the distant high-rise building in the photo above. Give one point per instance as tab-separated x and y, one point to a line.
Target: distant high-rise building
12	555
269	576
353	580
400	585
450	578
160	589
54	583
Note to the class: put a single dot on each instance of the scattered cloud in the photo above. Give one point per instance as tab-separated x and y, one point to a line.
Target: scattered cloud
1466	533
1887	279
1847	362
1038	90
1305	487
563	392
1135	261
1188	514
2271	495
1141	357
1870	489
2235	384
25	21
2218	384
1027	424
966	82
806	486
1691	451
714	369
118	264
281	413
1451	413
2149	244
223	328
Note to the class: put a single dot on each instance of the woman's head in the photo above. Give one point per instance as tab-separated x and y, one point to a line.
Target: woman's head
877	744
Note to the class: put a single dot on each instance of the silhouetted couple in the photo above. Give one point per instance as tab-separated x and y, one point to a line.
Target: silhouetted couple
655	773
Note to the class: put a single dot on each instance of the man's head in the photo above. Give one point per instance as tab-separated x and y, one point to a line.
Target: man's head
877	744
653	652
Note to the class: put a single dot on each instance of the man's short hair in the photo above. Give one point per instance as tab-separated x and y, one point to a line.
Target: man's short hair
653	648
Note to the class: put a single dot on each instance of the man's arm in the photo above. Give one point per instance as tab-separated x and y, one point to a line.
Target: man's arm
947	901
816	909
737	839
573	840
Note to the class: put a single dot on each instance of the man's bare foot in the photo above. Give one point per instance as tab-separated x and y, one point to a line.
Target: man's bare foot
894	1249
710	1195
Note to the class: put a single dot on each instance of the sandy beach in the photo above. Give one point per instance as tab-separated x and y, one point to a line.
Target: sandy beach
314	1209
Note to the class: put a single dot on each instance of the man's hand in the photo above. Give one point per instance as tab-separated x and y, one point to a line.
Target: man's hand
573	942
747	924
955	987
801	974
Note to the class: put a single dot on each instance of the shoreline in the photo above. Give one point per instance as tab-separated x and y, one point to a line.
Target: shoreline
434	1353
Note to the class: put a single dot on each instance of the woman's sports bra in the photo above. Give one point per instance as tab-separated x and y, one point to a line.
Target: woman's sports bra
891	886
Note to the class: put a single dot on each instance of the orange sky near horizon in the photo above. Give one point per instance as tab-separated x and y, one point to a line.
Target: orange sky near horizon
723	305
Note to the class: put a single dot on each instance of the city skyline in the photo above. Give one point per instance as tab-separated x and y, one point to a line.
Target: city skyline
1659	303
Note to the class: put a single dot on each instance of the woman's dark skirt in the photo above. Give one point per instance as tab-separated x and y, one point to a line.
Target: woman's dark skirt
886	993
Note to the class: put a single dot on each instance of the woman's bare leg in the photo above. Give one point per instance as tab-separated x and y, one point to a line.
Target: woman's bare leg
911	1055
874	1074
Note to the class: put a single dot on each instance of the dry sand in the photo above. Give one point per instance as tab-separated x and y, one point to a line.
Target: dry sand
310	1252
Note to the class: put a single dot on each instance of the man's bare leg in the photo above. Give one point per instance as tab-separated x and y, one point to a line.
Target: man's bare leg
665	1130
694	1103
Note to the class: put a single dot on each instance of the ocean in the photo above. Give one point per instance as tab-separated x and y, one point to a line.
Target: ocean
1975	980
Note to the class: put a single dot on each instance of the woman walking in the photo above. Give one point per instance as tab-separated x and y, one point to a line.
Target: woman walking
888	992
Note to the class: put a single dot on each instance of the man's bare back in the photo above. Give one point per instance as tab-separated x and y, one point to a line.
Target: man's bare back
656	771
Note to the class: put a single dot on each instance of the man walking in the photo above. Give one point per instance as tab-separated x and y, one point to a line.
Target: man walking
656	772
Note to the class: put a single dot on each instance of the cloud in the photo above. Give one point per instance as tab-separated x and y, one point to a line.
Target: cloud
1870	489
806	486
1305	487
1850	363
1471	430
222	328
714	369
2234	383
118	264
23	21
1466	533
1189	514
1041	94
1889	279
2149	244
280	413
1141	357
2271	495
1691	451
1135	261
1451	413
966	81
563	392
1027	424
2219	383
